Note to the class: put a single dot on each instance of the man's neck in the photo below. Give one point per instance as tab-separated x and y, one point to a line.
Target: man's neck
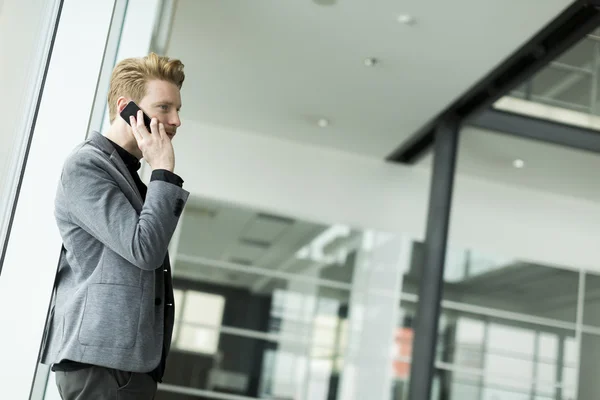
121	135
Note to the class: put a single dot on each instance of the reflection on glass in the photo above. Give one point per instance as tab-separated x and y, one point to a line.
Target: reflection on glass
492	282
195	330
256	367
510	352
470	336
464	386
546	366
526	289
313	307
511	357
497	394
332	309
569	82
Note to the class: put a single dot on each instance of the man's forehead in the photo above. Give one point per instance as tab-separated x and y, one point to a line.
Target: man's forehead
165	92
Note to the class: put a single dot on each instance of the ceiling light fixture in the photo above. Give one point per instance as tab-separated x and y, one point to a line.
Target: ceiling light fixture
325	2
518	163
370	61
323	122
406	19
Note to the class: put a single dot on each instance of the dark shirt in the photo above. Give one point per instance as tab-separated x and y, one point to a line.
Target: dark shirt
133	165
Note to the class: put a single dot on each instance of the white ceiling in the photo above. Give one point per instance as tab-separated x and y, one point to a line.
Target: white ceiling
275	67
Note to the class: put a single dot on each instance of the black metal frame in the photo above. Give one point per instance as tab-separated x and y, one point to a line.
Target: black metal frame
442	133
432	273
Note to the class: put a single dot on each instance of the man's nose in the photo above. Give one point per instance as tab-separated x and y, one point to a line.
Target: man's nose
175	120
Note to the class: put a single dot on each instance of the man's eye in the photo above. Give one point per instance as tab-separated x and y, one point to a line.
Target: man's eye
164	107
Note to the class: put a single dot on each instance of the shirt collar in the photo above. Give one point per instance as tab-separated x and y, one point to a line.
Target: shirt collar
131	161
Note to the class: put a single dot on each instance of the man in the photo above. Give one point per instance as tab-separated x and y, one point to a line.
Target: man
110	326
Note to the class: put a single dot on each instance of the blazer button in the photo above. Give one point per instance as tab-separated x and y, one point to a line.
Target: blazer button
157	301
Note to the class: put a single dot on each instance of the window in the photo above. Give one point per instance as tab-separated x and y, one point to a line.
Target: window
196	331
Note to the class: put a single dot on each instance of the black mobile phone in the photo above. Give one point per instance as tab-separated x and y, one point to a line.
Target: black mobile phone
131	109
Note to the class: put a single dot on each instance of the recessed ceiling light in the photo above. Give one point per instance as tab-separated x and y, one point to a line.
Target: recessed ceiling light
323	122
406	19
370	61
518	163
325	2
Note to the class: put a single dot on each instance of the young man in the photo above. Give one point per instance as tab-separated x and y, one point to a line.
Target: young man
110	326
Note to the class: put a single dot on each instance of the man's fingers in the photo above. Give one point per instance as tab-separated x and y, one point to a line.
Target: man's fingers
133	124
141	127
154	126
161	129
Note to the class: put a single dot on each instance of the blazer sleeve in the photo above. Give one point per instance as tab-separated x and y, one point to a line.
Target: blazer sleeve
98	205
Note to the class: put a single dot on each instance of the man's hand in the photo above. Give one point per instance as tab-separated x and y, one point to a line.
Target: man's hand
156	147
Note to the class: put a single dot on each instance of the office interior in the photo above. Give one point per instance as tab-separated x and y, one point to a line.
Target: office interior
297	262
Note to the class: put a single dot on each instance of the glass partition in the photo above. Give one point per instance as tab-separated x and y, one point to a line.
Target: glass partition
26	32
273	306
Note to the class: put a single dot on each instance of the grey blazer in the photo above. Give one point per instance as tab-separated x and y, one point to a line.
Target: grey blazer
110	289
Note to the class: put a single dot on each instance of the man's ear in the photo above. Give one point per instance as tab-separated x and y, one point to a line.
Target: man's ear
121	103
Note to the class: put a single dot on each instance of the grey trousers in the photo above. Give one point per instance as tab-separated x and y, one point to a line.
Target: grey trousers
98	383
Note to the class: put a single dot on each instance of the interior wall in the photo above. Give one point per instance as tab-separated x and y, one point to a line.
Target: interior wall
329	186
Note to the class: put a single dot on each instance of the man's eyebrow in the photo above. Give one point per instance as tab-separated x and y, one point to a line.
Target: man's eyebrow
169	103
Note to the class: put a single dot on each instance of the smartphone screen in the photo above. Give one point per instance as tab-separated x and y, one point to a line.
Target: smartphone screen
131	109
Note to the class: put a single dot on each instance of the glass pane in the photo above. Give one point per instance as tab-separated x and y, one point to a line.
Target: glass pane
464	386
255	367
496	394
510	353
576	97
199	340
510	339
301	244
327	296
310	311
490	282
527	301
566	84
468	349
203	308
546	378
547	347
25	34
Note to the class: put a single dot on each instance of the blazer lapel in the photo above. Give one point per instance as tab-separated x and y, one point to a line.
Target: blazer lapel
103	144
116	159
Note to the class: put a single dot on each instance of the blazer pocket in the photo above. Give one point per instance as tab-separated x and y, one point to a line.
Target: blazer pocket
111	316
